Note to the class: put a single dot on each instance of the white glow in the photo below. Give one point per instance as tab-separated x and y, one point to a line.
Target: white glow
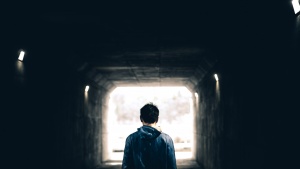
21	56
196	94
296	6
123	117
216	77
87	88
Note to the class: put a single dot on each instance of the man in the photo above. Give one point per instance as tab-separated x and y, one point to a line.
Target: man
149	148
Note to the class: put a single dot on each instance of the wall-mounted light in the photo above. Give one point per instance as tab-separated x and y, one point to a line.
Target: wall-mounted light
21	55
87	88
196	94
216	77
296	6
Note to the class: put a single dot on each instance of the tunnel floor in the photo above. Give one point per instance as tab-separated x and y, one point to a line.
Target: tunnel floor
181	164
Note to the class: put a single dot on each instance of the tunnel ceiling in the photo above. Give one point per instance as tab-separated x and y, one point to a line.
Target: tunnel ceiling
141	44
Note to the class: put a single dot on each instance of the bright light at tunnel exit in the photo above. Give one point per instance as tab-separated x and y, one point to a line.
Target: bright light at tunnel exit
21	56
296	6
175	119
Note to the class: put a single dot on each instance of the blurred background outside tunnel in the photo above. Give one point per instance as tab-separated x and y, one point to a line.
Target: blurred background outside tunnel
175	117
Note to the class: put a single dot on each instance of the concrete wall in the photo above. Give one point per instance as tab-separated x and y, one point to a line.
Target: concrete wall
209	124
47	123
250	124
80	134
50	121
36	115
254	123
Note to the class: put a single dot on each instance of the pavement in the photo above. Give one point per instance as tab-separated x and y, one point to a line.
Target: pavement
181	164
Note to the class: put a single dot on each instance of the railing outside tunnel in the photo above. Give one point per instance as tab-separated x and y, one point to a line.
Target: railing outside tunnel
123	118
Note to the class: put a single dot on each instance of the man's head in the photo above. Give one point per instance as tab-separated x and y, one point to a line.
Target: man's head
149	113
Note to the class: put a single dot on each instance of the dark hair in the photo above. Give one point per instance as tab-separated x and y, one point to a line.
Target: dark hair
149	113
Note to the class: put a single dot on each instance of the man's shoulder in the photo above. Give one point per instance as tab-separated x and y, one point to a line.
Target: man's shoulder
162	135
165	136
132	135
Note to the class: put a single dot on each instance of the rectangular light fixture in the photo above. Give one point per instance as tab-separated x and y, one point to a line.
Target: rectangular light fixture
216	77
87	88
296	6
21	56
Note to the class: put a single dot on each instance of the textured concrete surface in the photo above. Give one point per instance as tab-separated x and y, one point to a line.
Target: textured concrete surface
47	122
181	164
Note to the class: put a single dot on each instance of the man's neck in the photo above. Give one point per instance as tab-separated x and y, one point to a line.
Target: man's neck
149	124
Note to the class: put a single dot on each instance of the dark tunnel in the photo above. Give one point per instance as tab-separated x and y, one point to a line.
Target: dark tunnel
246	119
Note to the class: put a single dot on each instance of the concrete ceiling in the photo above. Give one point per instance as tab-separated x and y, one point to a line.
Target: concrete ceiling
141	44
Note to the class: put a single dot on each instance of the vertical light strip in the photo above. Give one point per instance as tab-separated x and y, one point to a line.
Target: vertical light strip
87	88
216	77
21	56
296	6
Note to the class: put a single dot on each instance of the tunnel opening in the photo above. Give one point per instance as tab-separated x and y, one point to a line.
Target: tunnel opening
176	118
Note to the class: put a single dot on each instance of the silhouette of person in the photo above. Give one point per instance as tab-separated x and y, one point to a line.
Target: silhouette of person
149	147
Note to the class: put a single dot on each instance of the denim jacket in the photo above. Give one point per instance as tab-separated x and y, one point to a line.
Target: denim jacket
148	148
